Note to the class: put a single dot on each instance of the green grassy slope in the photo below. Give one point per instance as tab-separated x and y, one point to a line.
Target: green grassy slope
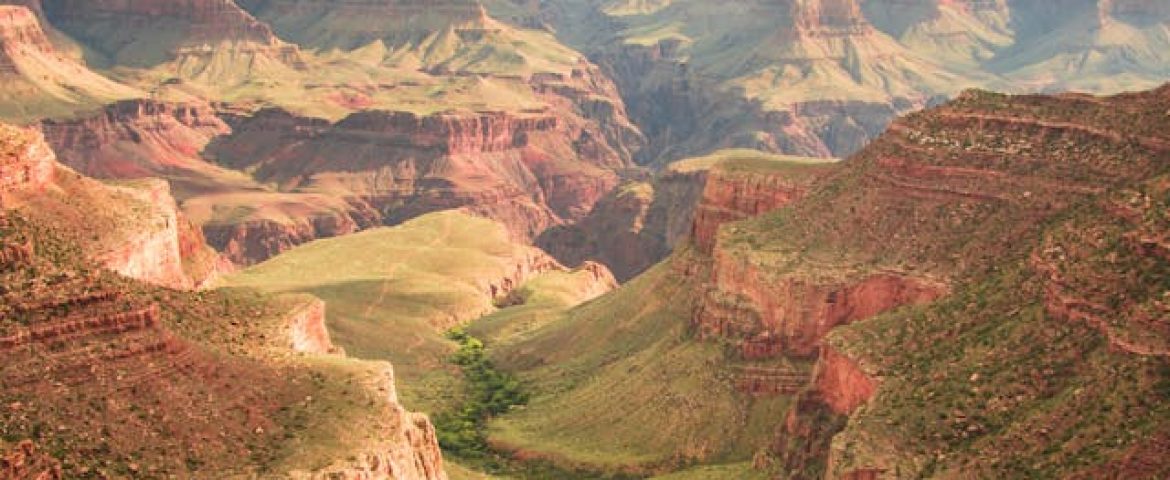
619	385
391	292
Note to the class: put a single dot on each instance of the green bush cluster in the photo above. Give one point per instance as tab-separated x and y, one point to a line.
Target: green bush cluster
490	393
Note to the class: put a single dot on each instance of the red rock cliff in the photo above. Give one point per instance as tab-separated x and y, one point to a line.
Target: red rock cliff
449	133
841	382
110	340
524	170
161	248
729	197
136	138
790	315
152	255
828	17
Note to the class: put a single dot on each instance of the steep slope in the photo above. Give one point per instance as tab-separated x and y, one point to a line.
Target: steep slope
959	34
623	383
40	81
211	43
394	292
1015	204
138	139
449	35
800	77
132	228
529	170
1106	46
184	384
620	388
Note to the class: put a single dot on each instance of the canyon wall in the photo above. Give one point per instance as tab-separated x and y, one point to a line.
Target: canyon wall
539	160
615	233
778	315
835	73
307	329
21	31
200	23
256	240
633	227
731	196
26	164
348	24
152	255
841	383
138	138
984	205
529	171
408	450
156	244
109	338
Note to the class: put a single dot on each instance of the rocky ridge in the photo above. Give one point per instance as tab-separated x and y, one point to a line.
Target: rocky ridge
153	244
1029	171
202	25
171	368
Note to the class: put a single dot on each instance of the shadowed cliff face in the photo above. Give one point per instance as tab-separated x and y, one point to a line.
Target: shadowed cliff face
165	30
347	24
640	223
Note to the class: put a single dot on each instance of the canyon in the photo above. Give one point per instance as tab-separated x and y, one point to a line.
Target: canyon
541	156
917	275
752	239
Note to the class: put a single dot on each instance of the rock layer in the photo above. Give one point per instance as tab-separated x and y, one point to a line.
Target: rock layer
114	339
504	166
137	138
790	316
841	382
